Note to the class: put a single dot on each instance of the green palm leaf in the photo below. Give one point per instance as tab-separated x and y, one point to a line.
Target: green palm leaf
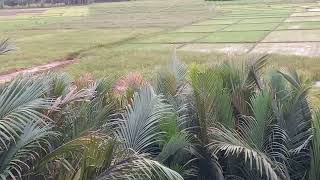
139	127
178	69
261	104
138	167
205	85
175	144
171	82
20	155
296	121
231	144
315	149
276	148
5	47
20	104
254	68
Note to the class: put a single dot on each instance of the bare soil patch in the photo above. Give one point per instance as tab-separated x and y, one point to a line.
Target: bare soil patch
293	36
309	14
314	10
224	48
301	49
302	19
15	12
9	75
311	49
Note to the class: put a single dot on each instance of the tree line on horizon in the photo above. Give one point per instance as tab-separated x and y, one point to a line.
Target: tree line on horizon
42	3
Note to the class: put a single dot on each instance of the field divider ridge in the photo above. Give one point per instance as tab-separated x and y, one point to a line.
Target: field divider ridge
230	42
273	30
210	33
167	30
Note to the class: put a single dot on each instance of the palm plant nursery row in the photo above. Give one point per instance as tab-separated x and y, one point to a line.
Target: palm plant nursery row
228	121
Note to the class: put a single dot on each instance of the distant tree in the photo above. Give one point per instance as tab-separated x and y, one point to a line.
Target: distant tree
42	3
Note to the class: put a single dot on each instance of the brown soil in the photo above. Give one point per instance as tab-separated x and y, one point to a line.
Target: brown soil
14	12
9	75
223	47
310	49
293	36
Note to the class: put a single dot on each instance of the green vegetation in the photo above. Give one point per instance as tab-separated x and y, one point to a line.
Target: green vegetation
251	27
251	36
262	20
112	38
173	38
218	21
234	119
201	28
300	25
123	111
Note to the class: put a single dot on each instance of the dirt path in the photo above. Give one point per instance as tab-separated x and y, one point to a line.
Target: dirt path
15	12
34	70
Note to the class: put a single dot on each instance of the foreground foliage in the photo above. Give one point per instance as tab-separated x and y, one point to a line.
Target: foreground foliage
229	121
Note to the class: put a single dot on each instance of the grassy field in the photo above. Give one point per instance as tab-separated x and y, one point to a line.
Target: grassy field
111	38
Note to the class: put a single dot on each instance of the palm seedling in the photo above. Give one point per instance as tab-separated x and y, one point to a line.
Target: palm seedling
4	46
26	133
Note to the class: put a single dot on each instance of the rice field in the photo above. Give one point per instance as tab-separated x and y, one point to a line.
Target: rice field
110	38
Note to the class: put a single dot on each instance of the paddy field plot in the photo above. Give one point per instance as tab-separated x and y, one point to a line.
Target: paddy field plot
109	38
267	27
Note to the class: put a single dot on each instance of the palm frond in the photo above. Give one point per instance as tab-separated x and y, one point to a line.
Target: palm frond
59	84
292	78
276	148
139	128
172	83
81	158
5	47
261	106
224	109
87	116
137	166
297	112
173	146
293	114
30	144
278	85
74	95
231	144
72	147
20	103
104	86
315	149
166	84
233	74
254	68
178	69
206	86
97	155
